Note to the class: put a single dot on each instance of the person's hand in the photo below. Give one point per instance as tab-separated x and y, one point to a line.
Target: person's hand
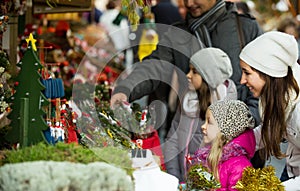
117	99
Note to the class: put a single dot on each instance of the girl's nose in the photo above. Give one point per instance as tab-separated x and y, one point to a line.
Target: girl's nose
188	75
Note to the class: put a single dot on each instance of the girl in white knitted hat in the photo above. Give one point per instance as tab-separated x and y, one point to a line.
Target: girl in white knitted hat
210	70
270	71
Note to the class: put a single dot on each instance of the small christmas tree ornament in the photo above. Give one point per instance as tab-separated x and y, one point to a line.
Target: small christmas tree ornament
28	123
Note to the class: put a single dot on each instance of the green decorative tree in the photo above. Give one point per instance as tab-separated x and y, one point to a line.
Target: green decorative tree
27	105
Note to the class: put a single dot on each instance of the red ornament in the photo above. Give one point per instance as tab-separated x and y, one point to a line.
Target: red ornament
63	111
97	100
102	77
74	115
107	69
72	136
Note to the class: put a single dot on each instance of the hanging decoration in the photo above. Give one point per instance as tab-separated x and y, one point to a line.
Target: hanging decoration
149	39
131	8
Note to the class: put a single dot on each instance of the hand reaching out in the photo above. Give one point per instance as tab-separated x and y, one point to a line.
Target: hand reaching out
117	99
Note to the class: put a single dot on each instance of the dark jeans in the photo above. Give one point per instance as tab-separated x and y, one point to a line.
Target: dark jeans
257	162
284	175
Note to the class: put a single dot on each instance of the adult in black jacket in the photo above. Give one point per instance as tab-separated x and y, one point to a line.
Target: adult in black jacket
208	23
165	12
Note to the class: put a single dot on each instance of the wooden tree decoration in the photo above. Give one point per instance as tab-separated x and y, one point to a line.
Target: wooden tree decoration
27	114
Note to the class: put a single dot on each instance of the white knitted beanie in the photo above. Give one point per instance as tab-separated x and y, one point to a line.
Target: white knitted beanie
271	53
213	65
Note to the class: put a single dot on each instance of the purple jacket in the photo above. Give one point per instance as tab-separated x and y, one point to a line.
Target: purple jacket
235	158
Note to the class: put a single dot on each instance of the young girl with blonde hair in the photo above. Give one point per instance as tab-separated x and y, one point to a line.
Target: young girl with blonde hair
229	141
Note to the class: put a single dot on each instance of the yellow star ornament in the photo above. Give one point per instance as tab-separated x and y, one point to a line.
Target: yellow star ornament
32	40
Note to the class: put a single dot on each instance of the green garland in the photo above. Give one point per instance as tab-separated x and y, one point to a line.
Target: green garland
116	132
199	178
117	127
126	122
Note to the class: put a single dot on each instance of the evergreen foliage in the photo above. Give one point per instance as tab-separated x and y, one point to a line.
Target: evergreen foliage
199	178
68	152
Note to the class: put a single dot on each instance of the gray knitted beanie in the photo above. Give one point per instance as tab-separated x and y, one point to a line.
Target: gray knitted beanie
213	64
233	117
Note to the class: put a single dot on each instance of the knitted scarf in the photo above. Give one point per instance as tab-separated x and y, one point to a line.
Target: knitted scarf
191	104
230	150
203	25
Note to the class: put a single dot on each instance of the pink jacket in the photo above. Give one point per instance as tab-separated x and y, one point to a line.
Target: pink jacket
235	158
230	171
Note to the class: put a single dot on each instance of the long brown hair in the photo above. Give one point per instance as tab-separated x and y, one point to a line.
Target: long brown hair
204	96
275	98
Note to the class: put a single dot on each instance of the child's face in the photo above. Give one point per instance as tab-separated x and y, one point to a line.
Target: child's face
210	128
194	78
252	79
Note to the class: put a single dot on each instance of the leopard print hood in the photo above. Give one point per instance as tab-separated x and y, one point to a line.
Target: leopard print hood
233	117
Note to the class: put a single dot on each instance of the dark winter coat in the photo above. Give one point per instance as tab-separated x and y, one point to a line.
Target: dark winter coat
175	49
184	138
